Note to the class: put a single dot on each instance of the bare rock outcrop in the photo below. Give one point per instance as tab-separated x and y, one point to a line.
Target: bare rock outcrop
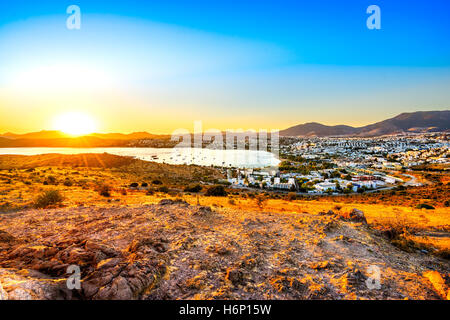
354	215
106	273
3	294
176	251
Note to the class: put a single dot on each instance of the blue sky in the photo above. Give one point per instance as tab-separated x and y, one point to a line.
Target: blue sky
229	63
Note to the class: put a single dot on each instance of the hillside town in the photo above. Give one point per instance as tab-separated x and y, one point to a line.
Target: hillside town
346	165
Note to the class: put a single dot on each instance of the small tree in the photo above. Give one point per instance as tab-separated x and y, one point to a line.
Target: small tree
260	201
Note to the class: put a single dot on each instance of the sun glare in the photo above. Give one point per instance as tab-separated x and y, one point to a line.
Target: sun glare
75	123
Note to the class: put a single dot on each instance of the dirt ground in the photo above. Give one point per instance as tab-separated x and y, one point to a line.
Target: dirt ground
174	250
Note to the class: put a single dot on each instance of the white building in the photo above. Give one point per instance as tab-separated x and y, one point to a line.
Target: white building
324	186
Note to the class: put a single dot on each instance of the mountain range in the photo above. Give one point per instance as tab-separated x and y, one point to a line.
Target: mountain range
421	121
60	139
52	134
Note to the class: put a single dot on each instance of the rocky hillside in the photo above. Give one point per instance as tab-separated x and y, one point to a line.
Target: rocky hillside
420	121
173	250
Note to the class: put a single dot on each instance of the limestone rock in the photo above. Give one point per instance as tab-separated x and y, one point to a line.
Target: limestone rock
357	216
3	294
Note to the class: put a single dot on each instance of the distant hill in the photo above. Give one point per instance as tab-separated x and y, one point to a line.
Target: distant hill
58	134
60	139
410	122
317	129
36	135
420	121
130	136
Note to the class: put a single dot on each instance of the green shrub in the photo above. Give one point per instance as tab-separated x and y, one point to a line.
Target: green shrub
223	182
443	253
216	191
291	196
163	189
104	190
52	180
424	206
195	189
48	198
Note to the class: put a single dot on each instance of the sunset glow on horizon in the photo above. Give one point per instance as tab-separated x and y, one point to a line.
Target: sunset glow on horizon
75	123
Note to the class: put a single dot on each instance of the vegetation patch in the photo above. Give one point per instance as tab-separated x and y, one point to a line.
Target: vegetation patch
48	199
216	191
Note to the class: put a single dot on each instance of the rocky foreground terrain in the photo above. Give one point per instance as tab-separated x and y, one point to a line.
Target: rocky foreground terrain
173	250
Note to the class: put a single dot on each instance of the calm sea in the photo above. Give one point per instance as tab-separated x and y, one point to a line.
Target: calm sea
203	157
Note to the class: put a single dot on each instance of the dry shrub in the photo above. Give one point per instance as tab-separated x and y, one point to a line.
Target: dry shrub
291	196
163	189
216	191
443	253
104	190
48	198
52	180
424	206
401	225
400	232
195	188
406	244
261	201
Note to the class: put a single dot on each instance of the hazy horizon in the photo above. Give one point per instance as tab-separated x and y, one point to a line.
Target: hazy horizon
205	130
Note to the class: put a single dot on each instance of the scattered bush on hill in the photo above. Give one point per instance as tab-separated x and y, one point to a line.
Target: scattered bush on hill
48	198
216	191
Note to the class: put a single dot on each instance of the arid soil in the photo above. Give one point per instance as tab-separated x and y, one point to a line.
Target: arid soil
173	250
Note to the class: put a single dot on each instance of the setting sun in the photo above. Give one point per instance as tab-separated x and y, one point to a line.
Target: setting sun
75	123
